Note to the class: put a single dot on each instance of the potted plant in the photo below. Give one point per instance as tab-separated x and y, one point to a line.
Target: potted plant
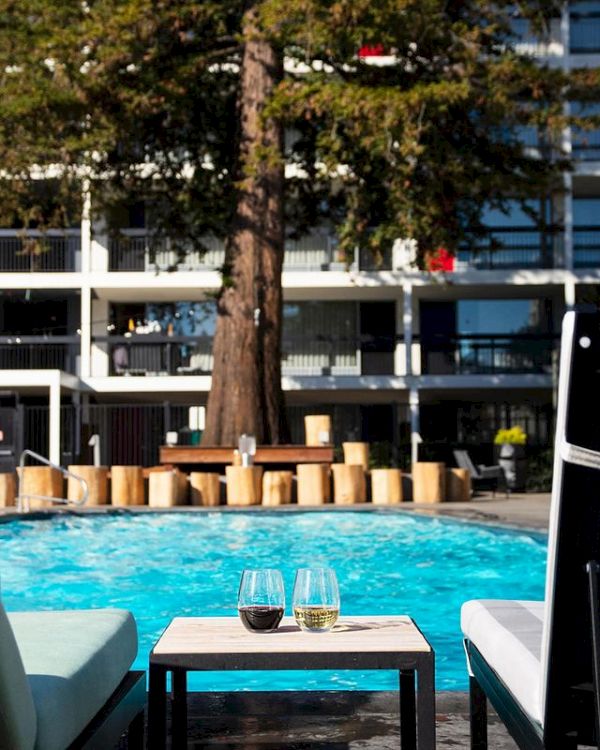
511	455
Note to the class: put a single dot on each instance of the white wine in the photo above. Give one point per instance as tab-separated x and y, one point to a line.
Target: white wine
317	618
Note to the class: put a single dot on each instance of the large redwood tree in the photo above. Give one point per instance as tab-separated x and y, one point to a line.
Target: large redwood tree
246	395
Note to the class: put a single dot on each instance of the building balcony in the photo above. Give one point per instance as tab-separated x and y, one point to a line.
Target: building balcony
507	248
137	251
34	252
159	355
481	354
39	353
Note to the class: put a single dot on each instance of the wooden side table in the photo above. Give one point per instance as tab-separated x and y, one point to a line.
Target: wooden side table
429	482
222	643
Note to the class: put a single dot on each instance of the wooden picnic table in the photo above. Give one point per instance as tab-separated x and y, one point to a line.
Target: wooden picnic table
190	455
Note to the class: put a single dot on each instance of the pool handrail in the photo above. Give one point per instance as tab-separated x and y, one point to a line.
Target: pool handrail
63	471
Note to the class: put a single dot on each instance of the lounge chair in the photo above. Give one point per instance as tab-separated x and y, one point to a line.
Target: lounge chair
490	476
539	662
65	681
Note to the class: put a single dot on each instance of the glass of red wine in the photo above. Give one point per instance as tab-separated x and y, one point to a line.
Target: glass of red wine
261	600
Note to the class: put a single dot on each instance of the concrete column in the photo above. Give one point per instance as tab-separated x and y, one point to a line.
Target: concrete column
54	431
100	354
415	424
407	321
86	331
570	294
99	260
400	345
86	228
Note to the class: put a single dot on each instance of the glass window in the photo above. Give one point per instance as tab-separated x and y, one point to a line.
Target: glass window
586	211
497	316
516	216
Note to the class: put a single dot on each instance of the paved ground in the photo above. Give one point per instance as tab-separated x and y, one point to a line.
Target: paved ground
322	721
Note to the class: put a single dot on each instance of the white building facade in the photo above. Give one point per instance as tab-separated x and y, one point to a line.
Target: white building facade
112	335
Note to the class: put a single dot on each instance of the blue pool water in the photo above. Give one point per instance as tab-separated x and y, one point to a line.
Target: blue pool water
162	565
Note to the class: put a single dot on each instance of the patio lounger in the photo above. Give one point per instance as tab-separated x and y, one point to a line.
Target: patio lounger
65	680
490	476
539	662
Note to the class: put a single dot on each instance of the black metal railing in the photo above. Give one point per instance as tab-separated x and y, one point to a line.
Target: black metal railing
159	354
513	248
37	252
493	354
39	353
586	247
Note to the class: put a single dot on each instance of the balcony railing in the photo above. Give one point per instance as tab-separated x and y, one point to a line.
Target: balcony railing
156	354
508	248
138	251
39	353
38	252
494	354
586	247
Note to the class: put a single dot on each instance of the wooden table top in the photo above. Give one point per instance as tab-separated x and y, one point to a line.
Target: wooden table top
265	454
378	642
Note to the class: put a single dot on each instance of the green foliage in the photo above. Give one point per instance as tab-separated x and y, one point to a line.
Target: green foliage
511	436
539	471
140	98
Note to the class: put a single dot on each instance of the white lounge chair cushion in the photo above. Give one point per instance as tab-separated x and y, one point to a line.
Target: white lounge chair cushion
508	634
17	712
74	661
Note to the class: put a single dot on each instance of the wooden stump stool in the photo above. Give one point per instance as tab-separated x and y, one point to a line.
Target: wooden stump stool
127	485
458	485
244	485
167	488
8	489
429	482
205	488
41	480
277	488
315	427
314	484
97	482
349	484
356	453
386	486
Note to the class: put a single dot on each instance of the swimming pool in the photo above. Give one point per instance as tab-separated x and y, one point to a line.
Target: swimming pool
164	564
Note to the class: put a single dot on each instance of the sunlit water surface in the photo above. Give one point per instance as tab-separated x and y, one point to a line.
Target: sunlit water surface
163	565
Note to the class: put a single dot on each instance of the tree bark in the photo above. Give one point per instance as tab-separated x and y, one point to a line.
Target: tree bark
246	394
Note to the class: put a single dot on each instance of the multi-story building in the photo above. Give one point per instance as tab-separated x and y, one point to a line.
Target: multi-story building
112	335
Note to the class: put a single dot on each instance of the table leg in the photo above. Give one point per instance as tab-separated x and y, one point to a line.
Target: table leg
426	703
179	709
408	726
157	708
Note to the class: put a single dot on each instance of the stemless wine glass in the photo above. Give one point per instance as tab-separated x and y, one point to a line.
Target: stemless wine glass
261	600
316	599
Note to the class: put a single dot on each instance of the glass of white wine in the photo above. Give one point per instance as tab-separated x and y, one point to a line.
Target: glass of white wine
316	599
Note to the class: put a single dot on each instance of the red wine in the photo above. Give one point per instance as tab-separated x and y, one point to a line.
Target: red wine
257	617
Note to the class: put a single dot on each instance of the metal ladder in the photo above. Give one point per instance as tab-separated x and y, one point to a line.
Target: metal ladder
23	499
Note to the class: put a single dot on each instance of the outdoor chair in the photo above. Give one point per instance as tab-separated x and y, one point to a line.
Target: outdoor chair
539	662
65	681
488	476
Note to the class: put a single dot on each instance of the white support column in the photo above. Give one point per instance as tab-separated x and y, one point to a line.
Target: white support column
54	437
86	229
407	321
415	424
86	332
100	366
570	296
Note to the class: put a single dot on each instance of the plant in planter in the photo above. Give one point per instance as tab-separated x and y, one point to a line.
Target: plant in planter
510	453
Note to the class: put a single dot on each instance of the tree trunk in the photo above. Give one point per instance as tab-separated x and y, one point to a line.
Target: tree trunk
246	395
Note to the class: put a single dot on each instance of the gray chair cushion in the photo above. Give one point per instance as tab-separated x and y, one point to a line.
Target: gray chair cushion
508	634
17	712
74	660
